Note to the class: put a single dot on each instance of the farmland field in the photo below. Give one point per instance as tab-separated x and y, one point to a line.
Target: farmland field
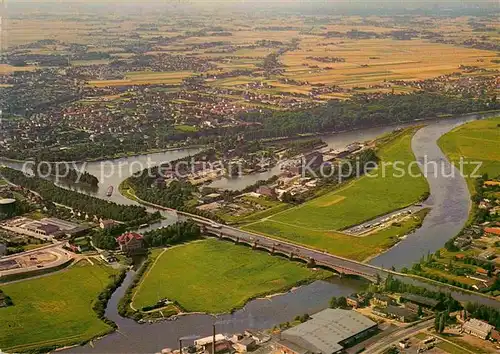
475	141
367	63
215	276
54	310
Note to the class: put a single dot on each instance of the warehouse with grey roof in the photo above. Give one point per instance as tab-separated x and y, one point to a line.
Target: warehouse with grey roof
327	332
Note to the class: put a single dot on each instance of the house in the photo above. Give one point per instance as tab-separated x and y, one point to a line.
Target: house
327	332
107	224
492	231
73	248
267	191
423	301
205	344
313	159
258	336
477	328
495	335
381	300
244	345
400	313
3	249
353	301
131	243
108	257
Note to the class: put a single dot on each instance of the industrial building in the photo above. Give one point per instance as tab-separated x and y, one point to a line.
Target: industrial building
327	332
477	328
7	205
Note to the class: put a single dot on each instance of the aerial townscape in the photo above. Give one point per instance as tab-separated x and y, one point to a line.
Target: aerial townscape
250	176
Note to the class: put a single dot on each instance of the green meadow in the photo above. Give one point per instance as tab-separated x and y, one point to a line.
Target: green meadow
475	141
316	223
54	310
358	248
217	276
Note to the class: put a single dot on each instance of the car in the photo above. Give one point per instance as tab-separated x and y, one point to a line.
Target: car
215	226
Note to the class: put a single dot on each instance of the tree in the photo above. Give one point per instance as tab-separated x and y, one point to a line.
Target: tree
342	302
437	321
420	312
304	317
442	323
333	302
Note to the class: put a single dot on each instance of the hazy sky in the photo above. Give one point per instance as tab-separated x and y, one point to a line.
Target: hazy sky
303	6
301	2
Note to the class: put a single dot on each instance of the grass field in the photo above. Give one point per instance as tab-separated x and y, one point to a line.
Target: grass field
314	223
186	128
54	310
363	198
357	248
216	277
474	141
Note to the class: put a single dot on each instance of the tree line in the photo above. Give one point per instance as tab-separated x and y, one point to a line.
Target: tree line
77	201
67	173
173	234
362	111
166	236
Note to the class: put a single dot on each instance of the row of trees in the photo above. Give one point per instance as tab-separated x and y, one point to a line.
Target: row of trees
170	235
173	234
447	302
485	313
362	111
67	173
77	201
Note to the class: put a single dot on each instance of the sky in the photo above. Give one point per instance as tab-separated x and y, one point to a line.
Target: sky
304	6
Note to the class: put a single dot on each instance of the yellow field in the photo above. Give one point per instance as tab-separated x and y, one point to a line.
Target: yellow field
368	62
384	59
7	69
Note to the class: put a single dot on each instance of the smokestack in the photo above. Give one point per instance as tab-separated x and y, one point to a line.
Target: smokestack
213	339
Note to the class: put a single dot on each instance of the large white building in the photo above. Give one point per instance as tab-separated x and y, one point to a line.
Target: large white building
327	332
477	328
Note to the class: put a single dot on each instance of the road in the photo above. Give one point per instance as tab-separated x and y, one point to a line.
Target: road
395	337
343	265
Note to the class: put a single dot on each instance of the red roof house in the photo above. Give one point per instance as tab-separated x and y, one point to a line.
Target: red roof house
492	230
131	242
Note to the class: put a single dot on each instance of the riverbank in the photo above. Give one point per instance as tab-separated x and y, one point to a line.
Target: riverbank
318	222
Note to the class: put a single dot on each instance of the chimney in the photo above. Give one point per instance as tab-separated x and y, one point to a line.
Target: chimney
213	339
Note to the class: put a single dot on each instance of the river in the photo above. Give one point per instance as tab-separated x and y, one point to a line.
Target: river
257	314
449	201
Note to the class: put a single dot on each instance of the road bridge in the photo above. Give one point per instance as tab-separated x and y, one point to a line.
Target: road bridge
310	256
